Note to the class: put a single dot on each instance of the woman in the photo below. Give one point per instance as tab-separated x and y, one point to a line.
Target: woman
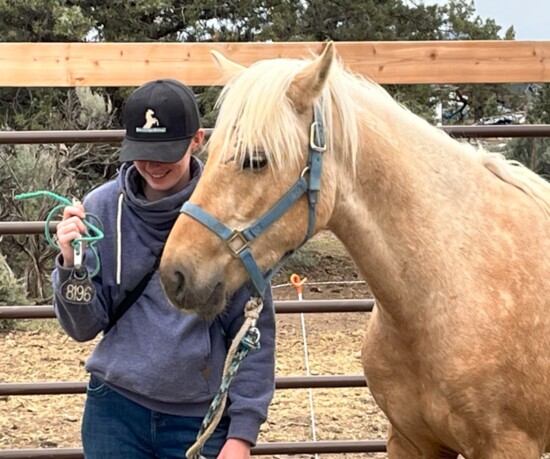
156	370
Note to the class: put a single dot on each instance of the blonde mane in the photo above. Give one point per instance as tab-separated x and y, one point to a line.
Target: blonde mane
258	119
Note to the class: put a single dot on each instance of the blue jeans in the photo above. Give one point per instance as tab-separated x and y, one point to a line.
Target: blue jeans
114	427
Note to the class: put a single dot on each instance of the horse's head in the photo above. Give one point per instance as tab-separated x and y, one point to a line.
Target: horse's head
258	151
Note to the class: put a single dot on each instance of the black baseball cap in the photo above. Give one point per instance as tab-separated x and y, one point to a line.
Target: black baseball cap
161	117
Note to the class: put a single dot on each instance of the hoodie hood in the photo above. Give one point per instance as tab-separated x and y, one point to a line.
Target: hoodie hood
153	220
163	212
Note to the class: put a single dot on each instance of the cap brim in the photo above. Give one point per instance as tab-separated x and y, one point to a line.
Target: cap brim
163	152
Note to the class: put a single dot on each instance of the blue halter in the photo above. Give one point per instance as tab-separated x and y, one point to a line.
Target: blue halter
260	281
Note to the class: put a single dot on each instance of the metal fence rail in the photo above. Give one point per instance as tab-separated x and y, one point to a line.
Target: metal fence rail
281	307
116	135
261	449
281	382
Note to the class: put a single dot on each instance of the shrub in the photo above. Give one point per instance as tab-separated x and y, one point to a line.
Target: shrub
12	292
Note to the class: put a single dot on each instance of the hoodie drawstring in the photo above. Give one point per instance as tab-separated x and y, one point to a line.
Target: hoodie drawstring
119	239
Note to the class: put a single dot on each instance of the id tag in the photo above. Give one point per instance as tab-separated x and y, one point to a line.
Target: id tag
78	288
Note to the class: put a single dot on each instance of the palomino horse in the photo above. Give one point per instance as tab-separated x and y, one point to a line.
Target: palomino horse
453	241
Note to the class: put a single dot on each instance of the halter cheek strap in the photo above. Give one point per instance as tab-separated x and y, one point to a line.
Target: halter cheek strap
258	280
309	182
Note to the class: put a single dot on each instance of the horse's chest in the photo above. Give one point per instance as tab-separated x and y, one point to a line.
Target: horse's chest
400	376
413	402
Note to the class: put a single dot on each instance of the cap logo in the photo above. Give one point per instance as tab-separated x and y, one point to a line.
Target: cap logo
151	125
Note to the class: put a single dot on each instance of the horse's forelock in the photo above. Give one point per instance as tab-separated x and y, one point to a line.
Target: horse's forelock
257	114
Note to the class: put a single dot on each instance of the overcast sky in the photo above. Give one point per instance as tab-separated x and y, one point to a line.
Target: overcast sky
530	18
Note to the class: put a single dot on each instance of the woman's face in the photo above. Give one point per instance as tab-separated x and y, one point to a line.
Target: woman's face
165	179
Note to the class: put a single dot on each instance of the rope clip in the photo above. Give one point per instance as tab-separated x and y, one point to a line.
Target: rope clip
78	254
251	339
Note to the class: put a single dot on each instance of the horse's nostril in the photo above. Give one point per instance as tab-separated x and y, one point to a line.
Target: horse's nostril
178	283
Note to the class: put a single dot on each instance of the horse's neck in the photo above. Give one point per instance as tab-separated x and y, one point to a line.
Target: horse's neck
396	219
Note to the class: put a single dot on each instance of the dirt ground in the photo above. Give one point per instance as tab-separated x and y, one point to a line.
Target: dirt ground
41	352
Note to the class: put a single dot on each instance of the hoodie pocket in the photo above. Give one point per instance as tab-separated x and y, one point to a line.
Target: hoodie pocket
185	373
159	353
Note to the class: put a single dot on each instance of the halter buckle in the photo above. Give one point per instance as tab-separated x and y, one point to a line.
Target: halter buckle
313	138
237	234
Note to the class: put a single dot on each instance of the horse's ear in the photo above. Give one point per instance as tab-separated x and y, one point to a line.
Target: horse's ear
309	83
228	67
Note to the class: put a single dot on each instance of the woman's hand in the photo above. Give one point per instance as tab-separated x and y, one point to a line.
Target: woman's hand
70	228
235	448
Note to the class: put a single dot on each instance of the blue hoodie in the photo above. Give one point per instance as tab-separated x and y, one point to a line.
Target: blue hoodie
155	355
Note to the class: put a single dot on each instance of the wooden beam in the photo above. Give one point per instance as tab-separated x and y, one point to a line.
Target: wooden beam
131	64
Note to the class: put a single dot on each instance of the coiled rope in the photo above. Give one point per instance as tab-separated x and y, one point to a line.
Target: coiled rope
93	234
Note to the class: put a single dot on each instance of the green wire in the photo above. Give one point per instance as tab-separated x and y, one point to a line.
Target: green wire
93	234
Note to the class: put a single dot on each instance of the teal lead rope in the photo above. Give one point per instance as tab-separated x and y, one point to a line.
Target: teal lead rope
246	340
93	235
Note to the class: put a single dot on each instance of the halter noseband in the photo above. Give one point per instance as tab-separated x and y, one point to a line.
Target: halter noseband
260	281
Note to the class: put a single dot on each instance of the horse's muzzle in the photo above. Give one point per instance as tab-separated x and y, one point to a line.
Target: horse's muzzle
184	294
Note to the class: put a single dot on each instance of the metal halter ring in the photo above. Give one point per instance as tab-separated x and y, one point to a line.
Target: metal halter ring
236	234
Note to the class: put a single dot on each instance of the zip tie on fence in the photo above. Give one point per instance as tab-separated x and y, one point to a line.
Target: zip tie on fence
298	283
246	340
93	234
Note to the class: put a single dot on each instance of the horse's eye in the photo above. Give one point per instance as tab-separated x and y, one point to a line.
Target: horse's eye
255	162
